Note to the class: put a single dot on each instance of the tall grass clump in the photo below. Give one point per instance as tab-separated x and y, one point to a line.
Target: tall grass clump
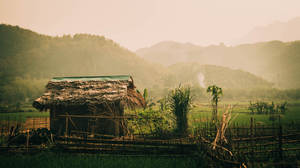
180	101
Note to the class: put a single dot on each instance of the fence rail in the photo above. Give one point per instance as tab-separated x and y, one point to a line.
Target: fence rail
255	143
31	123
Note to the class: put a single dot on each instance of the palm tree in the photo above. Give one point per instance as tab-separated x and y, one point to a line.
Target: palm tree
216	93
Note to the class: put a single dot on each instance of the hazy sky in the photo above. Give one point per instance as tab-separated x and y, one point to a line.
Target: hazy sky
141	23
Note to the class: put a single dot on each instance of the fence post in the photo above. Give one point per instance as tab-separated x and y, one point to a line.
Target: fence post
280	140
238	141
252	142
33	123
67	123
27	139
8	125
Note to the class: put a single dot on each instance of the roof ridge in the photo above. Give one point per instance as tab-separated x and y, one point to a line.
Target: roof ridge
91	78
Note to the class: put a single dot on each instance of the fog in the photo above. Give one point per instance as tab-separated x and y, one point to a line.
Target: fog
201	80
136	24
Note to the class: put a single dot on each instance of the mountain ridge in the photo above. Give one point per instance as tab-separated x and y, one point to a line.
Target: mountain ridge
28	60
275	61
282	31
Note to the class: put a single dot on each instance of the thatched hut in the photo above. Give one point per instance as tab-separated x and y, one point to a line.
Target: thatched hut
91	105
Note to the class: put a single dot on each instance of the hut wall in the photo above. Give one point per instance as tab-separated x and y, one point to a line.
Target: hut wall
90	125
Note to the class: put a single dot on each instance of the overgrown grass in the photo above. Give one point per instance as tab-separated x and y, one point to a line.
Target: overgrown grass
25	111
180	101
57	160
21	116
200	112
241	114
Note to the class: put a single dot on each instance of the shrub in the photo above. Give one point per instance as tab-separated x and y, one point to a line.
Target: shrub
272	109
153	122
180	100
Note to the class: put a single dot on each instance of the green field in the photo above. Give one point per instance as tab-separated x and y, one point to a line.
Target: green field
241	115
21	116
51	160
200	112
25	111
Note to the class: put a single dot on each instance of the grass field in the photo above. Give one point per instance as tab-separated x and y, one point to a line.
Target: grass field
201	112
24	112
52	160
241	115
21	116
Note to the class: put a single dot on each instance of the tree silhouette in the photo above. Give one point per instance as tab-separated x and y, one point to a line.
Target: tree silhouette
216	93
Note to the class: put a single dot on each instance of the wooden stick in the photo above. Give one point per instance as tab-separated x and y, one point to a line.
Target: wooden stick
96	116
67	123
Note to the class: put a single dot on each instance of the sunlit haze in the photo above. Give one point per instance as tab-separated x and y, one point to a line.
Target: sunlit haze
140	23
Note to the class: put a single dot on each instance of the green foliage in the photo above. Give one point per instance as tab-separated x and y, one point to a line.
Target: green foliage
145	94
216	93
163	104
272	109
21	90
158	123
282	108
180	100
27	59
148	100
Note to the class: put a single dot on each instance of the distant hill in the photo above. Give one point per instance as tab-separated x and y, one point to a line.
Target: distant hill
205	75
163	51
27	54
275	61
28	60
282	31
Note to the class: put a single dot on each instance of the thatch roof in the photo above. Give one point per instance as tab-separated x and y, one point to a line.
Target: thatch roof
74	91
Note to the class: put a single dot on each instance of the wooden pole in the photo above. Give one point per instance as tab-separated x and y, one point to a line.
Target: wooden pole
27	140
238	142
67	123
280	140
33	123
252	143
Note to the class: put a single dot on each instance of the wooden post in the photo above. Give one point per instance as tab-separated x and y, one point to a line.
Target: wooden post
33	123
238	142
280	140
67	123
52	118
27	140
8	126
252	143
117	126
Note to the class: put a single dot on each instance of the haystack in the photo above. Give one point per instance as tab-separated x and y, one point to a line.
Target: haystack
91	105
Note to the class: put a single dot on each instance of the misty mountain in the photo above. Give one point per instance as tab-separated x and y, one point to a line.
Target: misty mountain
282	31
205	75
275	61
28	60
27	54
163	51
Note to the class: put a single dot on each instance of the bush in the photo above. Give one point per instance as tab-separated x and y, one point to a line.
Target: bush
272	109
180	102
152	122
